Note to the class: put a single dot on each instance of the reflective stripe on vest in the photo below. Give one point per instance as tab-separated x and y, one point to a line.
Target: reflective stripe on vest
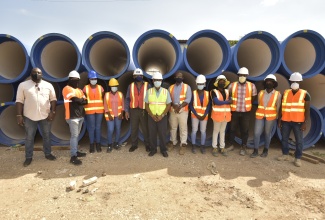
137	97
269	112
293	105
221	113
157	105
182	95
248	96
95	100
119	106
198	106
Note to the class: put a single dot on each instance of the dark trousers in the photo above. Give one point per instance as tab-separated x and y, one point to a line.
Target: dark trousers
139	117
159	128
287	127
241	120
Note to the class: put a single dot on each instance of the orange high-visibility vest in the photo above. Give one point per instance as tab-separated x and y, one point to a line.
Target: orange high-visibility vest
248	97
95	100
110	110
198	106
182	95
269	112
221	113
293	105
137	97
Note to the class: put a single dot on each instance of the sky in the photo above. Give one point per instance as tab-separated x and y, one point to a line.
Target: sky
27	20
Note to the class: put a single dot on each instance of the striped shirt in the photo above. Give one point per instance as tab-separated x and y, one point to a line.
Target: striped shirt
241	95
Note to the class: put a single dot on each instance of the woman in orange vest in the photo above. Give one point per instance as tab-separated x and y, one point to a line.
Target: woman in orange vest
94	111
114	109
221	113
269	101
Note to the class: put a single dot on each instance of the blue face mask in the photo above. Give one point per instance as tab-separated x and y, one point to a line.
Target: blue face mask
157	83
200	87
138	79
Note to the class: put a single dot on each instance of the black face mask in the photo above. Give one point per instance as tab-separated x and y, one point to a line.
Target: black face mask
36	77
269	86
221	85
179	80
73	83
138	79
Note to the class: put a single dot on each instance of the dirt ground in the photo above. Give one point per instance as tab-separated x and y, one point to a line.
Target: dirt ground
135	186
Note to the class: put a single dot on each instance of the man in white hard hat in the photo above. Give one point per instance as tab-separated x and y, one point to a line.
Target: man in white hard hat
242	94
135	109
294	115
269	101
158	103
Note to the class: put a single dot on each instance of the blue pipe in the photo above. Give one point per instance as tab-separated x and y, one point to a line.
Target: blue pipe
261	59
322	111
56	55
14	60
159	50
106	53
207	52
313	134
300	47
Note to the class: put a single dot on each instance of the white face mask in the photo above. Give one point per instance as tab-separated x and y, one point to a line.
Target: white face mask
157	83
114	89
242	79
93	82
295	86
200	87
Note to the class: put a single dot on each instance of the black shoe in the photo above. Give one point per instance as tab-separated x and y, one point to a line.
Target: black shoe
116	146
202	149
80	154
74	160
91	148
133	148
148	148
254	154
152	153
98	147
164	153
50	157
265	152
109	148
27	162
194	149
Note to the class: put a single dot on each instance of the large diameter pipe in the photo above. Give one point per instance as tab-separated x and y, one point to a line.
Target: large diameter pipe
315	86
106	53
322	111
14	60
157	51
7	93
303	52
259	51
56	55
313	131
207	52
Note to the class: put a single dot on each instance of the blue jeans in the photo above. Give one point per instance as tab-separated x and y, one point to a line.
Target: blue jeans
94	124
75	128
285	131
260	126
195	124
111	126
30	128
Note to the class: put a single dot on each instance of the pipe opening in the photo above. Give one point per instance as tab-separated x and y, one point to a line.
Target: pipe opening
7	93
8	124
60	128
315	87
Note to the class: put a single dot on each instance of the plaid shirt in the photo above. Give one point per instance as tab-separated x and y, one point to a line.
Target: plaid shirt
241	95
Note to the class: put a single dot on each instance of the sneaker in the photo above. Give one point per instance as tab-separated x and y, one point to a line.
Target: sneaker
98	147
133	148
202	149
109	148
265	153
91	148
80	154
283	158
254	154
223	152
74	160
182	149
170	146
50	157
27	162
297	162
242	151
230	148
194	149
215	152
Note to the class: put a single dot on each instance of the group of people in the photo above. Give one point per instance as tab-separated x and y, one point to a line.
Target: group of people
147	105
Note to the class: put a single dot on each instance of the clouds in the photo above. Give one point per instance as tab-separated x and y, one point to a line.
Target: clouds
268	3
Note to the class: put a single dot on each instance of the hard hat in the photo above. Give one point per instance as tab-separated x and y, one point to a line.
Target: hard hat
74	74
138	72
243	71
221	77
270	76
157	75
92	74
295	77
113	82
200	79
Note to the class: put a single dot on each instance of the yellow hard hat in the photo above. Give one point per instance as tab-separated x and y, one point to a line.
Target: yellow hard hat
113	82
219	78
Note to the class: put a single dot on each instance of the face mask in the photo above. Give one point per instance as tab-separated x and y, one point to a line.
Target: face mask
36	77
242	79
138	79
179	80
221	85
114	89
200	87
73	83
93	82
295	86
157	84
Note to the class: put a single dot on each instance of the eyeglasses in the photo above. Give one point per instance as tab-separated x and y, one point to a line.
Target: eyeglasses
37	88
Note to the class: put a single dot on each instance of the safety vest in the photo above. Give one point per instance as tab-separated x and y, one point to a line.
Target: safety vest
221	113
269	112
293	105
137	97
109	104
70	107
198	106
95	100
248	97
157	105
182	95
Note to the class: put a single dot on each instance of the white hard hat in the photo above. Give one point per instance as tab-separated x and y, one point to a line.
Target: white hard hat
200	79
138	72
157	75
295	77
74	74
270	76
243	71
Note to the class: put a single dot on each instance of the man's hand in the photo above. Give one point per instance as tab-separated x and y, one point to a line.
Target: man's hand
127	116
279	124
303	126
51	116
20	120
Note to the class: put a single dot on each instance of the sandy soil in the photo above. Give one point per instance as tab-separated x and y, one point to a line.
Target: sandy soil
135	186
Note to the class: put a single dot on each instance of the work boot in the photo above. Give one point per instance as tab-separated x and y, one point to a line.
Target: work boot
230	148
91	148
202	149
224	152
109	148
283	158
242	151
98	147
194	149
215	152
297	162
80	154
116	146
254	154
27	162
170	146
182	149
133	148
74	160
265	152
